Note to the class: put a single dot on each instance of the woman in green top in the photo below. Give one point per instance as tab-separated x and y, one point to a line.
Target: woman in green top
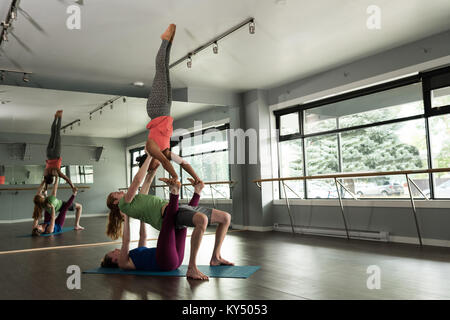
52	206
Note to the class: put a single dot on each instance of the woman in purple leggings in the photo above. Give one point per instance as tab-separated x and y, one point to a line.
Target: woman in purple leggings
169	253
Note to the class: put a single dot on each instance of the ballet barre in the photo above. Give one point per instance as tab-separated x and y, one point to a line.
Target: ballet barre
338	183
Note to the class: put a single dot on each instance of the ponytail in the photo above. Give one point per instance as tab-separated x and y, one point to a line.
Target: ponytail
115	220
38	207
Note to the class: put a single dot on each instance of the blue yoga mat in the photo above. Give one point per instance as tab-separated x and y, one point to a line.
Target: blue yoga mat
213	272
49	234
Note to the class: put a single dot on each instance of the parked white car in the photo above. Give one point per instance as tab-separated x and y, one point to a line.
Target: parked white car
440	191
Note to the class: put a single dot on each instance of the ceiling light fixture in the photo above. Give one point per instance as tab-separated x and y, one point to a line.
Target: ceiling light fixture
7	23
251	27
70	125
188	56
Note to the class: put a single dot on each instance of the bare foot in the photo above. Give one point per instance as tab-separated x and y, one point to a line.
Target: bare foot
194	273
169	33
58	114
220	262
78	227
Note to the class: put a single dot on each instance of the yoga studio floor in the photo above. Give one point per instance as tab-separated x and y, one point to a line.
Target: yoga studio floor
292	267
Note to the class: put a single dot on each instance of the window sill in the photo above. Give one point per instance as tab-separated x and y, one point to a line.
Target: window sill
440	204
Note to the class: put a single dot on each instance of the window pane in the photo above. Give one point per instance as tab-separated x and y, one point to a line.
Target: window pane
211	140
289	124
322	155
320	119
392	147
210	167
390	104
440	153
291	165
440	97
322	189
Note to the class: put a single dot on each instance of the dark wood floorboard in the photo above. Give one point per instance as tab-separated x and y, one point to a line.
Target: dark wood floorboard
292	268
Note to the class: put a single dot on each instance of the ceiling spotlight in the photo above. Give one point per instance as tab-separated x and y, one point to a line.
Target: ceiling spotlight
64	131
138	84
90	117
251	27
79	123
71	127
189	62
112	105
215	48
101	110
25	78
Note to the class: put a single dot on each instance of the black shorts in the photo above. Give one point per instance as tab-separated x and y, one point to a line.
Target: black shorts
186	213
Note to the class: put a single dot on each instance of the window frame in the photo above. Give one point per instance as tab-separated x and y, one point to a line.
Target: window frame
428	81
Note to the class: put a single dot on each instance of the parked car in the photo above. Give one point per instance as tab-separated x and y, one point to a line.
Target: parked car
385	189
320	190
440	191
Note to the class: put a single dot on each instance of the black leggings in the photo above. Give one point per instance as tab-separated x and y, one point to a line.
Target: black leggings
54	144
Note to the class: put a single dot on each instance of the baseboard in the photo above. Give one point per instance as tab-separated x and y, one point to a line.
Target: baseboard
425	241
93	215
252	228
364	235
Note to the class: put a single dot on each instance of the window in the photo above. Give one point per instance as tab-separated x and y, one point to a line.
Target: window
207	153
289	124
440	97
394	126
135	153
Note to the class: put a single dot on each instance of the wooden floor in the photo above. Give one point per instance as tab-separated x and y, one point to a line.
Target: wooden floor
292	268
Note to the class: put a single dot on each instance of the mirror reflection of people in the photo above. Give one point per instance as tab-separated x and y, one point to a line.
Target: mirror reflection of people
2	174
53	162
52	206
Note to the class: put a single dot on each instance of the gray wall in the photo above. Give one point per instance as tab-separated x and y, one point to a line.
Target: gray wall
109	172
258	207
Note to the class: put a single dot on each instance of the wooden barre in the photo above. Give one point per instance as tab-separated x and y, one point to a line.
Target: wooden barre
27	189
355	175
188	184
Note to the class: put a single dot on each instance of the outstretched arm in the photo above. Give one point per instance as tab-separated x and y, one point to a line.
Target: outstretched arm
55	187
137	180
62	175
51	226
124	258
42	187
147	182
186	166
142	235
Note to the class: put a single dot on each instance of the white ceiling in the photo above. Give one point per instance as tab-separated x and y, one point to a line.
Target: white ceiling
119	39
31	110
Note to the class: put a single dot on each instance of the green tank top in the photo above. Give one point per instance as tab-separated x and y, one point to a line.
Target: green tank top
144	207
55	202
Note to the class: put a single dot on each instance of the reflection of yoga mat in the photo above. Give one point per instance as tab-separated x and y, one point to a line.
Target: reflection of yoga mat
50	234
213	272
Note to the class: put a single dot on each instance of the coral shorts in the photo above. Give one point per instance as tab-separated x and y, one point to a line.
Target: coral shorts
53	163
161	130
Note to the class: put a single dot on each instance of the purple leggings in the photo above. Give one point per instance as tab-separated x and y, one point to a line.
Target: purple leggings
171	241
62	213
